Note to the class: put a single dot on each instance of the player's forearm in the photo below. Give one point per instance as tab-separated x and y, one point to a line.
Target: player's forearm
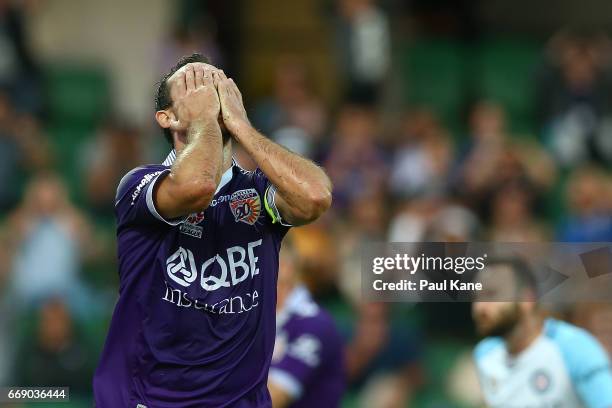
303	185
198	168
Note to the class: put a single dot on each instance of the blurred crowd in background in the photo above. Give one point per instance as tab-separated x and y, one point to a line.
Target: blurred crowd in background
431	126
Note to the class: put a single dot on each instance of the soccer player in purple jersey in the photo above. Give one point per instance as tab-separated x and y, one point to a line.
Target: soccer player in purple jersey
308	367
198	243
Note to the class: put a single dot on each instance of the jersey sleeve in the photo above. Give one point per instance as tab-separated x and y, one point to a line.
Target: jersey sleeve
588	365
300	361
134	202
268	192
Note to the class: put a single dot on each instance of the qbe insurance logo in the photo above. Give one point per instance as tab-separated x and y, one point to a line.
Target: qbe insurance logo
234	266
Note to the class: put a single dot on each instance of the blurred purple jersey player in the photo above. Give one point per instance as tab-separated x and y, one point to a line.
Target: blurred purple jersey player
198	243
308	362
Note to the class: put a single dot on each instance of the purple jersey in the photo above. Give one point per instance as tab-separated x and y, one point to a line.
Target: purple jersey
308	360
194	325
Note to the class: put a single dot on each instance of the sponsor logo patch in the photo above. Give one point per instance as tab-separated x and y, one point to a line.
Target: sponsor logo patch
236	264
190	225
181	267
146	179
246	206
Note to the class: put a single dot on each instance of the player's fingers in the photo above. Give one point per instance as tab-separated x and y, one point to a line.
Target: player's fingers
205	66
189	78
227	87
207	79
235	90
199	77
178	85
216	78
221	86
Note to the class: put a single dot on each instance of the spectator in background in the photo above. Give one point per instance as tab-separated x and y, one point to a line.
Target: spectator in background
574	97
294	116
56	354
185	38
23	149
318	256
49	238
492	161
512	218
383	357
433	219
19	75
588	201
452	222
364	46
422	157
365	222
223	23
479	162
116	149
355	163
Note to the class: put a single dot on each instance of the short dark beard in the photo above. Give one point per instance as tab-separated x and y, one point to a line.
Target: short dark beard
506	324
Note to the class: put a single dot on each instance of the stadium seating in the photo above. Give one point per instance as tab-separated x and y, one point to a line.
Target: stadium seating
435	73
505	71
76	94
445	75
78	98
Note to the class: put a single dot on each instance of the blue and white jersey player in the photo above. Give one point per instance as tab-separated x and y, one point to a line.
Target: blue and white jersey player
528	361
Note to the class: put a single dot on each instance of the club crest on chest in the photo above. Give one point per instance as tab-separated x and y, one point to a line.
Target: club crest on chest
245	206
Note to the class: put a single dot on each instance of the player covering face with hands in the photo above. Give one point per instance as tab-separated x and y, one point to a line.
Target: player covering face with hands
197	90
201	93
198	241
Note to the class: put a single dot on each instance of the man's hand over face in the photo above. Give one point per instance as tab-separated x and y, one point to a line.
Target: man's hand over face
232	108
194	94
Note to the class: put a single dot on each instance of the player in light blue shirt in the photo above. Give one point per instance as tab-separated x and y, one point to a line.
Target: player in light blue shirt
527	360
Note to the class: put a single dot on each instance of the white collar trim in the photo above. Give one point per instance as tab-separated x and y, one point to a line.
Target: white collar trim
225	178
170	158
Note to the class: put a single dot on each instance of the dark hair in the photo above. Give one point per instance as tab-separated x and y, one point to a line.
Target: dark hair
523	273
162	96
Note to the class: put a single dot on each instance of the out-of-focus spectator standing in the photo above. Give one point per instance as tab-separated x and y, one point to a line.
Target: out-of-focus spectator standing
443	121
